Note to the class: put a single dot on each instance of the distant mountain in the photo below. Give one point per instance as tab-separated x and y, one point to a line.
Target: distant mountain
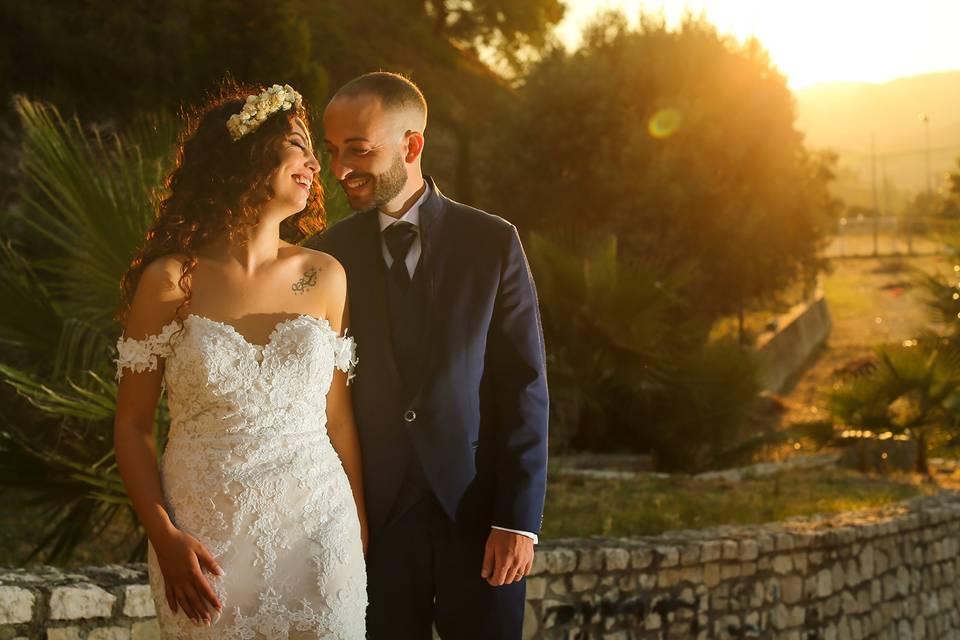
844	116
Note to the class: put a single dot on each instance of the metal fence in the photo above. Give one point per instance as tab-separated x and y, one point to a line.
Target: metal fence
889	236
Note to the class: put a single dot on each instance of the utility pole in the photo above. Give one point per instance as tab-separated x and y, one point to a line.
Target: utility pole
873	181
926	141
925	119
886	196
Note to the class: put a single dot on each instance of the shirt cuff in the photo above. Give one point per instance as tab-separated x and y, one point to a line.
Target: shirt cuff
532	536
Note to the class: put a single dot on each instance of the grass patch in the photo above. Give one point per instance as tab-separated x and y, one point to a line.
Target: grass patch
848	295
578	507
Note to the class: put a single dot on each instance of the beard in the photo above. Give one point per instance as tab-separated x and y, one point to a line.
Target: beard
386	186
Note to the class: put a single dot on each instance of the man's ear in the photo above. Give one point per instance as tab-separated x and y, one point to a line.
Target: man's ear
414	146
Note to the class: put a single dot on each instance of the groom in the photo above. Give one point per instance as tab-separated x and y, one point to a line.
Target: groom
451	392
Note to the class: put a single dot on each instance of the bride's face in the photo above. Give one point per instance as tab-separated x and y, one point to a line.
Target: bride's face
296	173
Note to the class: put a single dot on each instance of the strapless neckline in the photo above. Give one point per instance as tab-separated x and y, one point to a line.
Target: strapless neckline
278	328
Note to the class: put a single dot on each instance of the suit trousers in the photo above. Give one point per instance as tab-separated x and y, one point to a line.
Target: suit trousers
423	569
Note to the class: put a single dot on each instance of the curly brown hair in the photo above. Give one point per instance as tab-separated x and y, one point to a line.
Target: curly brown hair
216	188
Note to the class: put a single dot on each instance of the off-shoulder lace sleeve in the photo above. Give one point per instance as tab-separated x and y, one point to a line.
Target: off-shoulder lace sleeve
345	356
141	355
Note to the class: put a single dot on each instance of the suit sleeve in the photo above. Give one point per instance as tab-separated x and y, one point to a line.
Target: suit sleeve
516	371
330	240
319	241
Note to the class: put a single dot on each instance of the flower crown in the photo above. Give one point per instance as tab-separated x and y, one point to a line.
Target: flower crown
259	108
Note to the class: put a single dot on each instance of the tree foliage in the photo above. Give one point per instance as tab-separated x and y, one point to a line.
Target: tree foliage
109	62
104	59
509	27
682	144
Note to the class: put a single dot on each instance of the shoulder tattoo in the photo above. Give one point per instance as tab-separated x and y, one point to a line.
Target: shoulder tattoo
308	280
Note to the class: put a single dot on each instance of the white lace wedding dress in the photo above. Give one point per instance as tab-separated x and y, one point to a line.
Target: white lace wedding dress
249	471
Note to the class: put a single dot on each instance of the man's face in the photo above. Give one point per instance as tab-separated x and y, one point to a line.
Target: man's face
366	148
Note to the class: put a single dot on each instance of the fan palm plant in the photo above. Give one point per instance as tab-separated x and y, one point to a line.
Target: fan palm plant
913	390
606	325
630	365
86	202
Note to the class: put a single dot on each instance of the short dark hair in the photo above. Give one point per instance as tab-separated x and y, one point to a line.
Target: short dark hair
395	91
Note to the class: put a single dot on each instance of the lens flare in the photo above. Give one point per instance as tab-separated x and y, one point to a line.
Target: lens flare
664	123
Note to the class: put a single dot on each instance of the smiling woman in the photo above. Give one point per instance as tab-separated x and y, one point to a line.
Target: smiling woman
225	175
255	513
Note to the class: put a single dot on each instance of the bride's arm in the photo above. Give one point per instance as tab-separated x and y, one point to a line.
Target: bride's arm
341	425
137	396
141	366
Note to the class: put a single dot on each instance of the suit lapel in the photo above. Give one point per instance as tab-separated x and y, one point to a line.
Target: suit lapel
432	258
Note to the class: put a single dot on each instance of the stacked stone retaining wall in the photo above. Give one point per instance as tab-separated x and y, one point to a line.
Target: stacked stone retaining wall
887	574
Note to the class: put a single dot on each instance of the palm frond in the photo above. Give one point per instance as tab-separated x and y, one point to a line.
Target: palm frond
90	198
87	198
29	315
76	495
81	349
615	320
73	401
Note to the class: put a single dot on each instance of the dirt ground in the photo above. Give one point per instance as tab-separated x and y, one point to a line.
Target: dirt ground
871	302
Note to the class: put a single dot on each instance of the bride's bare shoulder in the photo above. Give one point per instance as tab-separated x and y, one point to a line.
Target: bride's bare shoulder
323	264
322	281
157	297
161	277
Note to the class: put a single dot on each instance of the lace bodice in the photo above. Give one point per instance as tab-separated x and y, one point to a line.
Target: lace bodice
250	472
221	383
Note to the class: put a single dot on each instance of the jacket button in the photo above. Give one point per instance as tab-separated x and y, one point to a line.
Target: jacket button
410	415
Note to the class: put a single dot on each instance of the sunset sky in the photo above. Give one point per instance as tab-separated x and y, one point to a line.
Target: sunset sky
817	41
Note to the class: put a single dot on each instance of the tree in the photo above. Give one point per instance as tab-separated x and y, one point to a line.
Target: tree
511	28
109	61
950	207
682	144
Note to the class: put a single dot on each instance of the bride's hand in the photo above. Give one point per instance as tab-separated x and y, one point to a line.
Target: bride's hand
182	560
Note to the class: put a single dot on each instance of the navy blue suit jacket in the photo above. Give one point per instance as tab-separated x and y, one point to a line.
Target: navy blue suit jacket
476	415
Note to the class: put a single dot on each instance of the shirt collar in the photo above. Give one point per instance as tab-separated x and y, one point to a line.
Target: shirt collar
412	215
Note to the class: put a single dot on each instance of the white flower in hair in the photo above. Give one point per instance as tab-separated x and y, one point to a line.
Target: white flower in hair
258	108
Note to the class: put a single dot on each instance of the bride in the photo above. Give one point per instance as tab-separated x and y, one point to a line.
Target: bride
255	513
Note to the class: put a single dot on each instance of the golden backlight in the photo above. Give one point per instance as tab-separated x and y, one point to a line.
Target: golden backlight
816	41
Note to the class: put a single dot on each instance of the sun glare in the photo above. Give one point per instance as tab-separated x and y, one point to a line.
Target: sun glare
818	40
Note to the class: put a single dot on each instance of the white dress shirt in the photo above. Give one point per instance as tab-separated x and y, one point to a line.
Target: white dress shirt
413	257
413	217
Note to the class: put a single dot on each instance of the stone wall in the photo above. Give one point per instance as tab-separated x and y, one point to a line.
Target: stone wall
879	574
96	603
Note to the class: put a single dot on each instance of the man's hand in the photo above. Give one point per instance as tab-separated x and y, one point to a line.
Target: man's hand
507	557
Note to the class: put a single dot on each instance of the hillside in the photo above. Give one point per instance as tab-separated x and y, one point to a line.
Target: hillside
844	116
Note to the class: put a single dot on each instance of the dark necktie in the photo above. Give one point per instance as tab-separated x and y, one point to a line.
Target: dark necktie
399	236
